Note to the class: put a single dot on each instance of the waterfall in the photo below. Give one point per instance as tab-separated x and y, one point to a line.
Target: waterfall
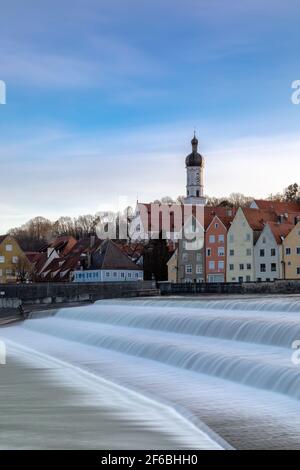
239	347
249	345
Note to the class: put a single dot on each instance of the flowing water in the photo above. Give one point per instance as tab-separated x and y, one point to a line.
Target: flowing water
224	364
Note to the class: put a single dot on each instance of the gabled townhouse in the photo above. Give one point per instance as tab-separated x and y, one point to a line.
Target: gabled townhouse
217	223
14	264
109	264
243	234
191	251
291	254
85	260
268	251
62	256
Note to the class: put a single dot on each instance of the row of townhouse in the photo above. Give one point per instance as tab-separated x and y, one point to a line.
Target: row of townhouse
207	264
88	260
264	243
260	243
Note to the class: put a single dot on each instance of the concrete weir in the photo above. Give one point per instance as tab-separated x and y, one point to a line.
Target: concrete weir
224	364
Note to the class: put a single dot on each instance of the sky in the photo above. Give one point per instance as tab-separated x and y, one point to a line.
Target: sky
102	99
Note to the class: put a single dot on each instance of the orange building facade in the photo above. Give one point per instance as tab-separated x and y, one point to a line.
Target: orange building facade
216	247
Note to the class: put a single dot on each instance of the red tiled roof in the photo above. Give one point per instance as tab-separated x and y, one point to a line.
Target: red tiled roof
278	206
32	256
257	218
280	231
225	214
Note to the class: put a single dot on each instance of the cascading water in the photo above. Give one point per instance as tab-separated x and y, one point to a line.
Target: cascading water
179	350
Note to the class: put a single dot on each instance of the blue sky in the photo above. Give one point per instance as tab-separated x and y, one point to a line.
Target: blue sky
103	97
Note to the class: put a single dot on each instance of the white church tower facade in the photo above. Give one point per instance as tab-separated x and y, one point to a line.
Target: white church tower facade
194	163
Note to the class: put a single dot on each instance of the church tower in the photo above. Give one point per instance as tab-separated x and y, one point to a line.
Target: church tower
194	163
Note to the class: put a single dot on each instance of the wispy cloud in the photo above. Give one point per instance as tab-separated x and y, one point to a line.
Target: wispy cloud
85	173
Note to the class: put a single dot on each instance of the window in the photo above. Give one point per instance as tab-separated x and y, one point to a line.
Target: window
136	274
199	256
273	252
221	251
8	247
248	237
129	275
15	259
231	238
261	253
249	266
221	238
298	271
211	265
208	252
1	272
188	269
115	274
216	225
2	259
122	275
264	240
287	251
273	267
212	239
221	265
231	252
263	268
241	279
248	279
298	250
231	267
241	267
199	269
107	274
248	252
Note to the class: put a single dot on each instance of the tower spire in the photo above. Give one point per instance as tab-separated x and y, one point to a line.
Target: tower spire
194	143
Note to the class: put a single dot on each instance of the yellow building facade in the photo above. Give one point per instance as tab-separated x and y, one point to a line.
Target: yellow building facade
13	260
240	242
173	267
291	254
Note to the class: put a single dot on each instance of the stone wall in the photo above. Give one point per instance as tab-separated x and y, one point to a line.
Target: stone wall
55	293
168	288
9	303
276	287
